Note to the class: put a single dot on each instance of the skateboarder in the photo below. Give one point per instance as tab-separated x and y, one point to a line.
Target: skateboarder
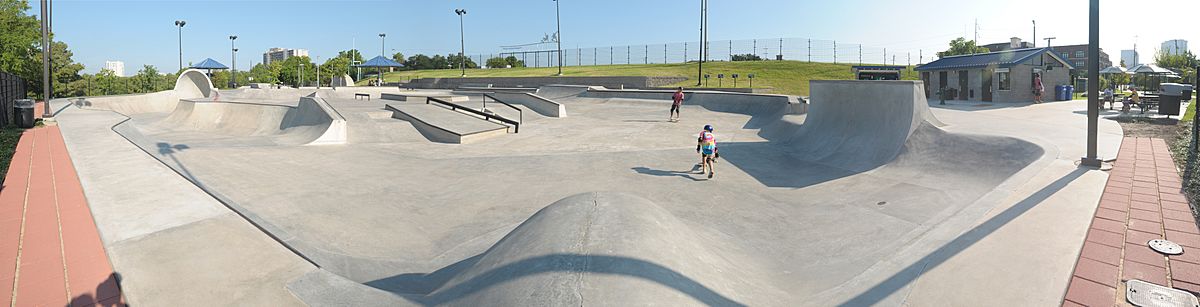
676	101
706	146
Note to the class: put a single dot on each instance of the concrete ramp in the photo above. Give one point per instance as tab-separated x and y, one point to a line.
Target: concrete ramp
618	248
442	125
534	102
311	122
563	91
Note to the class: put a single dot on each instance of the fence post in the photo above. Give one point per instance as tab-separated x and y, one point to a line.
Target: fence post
834	52
809	54
859	54
731	50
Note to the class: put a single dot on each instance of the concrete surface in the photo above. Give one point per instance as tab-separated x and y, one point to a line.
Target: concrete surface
395	218
441	124
534	102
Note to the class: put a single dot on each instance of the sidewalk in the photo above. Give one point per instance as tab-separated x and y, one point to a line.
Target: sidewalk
1141	202
50	250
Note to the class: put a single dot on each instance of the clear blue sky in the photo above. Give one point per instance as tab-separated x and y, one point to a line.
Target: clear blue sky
143	32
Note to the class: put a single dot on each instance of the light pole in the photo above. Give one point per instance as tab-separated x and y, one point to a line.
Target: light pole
703	42
318	65
1034	40
46	48
382	43
463	42
300	76
180	24
558	35
233	69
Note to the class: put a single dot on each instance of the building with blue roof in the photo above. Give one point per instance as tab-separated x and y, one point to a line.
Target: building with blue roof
1002	76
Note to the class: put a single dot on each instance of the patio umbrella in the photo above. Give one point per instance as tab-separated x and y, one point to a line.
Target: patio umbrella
209	64
379	62
1115	70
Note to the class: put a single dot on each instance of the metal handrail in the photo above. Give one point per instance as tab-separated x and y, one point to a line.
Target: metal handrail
520	113
456	107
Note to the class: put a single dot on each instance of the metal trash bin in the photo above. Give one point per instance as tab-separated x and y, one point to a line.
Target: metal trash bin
23	113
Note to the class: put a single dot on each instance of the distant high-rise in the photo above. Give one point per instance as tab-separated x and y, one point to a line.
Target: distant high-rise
1130	57
1175	46
280	54
117	67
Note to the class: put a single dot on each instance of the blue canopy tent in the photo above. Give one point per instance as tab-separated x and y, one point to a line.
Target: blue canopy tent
379	62
209	64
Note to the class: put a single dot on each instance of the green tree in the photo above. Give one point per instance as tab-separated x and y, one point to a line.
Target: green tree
63	70
289	71
496	62
961	46
419	61
1184	64
514	62
147	78
746	57
265	73
19	38
398	57
453	59
353	55
438	62
337	66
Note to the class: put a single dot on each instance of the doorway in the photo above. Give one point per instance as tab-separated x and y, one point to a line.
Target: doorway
925	83
962	85
942	84
986	86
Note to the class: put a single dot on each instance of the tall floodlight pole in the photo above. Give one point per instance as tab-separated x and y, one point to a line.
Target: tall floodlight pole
180	24
46	85
1033	42
233	60
318	65
382	44
462	63
558	35
703	24
1093	86
300	75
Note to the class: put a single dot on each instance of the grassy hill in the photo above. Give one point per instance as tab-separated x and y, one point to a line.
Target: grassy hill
785	77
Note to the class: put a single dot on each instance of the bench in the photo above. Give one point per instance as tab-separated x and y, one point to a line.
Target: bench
357	95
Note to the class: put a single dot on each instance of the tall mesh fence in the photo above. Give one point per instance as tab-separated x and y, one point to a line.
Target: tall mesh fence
11	89
792	49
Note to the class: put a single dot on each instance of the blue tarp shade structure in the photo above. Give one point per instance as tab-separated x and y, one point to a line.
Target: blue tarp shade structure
379	62
210	64
1001	59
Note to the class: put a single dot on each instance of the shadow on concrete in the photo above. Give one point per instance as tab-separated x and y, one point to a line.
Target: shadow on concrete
574	263
773	166
663	173
166	149
108	293
906	276
962	105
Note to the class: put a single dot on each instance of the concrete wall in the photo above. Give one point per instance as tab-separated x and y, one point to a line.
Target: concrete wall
610	82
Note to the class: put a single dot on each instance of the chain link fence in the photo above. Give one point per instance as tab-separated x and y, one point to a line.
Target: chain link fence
792	49
11	89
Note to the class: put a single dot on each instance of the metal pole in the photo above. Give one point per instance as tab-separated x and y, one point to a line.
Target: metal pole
1093	66
834	52
180	24
809	50
46	49
780	49
646	54
700	67
233	60
383	44
1033	42
462	41
558	36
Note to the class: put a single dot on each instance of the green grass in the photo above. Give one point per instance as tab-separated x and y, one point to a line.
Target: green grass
8	145
784	77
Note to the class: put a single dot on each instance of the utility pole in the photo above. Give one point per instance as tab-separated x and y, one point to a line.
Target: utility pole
557	37
1048	39
180	24
1093	86
462	59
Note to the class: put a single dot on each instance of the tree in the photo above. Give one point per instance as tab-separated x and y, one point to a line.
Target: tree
289	70
439	62
266	73
497	62
147	78
63	70
419	61
1184	64
961	46
335	67
352	55
746	57
20	36
398	57
453	60
514	62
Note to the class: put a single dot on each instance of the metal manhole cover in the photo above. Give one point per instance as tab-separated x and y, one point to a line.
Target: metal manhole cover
1144	294
1165	247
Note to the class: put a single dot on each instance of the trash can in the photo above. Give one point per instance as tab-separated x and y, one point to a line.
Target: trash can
1069	92
23	113
1169	98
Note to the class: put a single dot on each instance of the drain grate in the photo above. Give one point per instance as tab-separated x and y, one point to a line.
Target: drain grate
1144	294
1165	247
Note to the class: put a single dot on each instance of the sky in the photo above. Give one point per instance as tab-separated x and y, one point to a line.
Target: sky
143	32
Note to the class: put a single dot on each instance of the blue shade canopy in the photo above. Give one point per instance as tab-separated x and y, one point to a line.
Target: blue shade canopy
380	61
209	63
1002	59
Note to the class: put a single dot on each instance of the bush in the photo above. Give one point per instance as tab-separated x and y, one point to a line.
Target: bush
746	57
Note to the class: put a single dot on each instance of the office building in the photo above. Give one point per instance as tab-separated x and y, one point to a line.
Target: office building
281	54
1130	58
1175	46
117	67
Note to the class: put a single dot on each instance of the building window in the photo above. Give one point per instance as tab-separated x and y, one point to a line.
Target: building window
1078	64
1003	81
1079	53
1064	55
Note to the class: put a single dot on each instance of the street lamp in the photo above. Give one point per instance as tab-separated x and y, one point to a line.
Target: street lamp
462	41
233	69
180	24
382	43
558	35
703	40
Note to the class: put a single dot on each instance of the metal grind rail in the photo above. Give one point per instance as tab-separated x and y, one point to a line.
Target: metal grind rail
520	113
453	106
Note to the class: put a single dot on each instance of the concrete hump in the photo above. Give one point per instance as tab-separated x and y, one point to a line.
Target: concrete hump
860	125
563	91
611	247
312	121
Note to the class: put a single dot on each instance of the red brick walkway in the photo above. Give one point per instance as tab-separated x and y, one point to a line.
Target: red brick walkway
1141	202
50	251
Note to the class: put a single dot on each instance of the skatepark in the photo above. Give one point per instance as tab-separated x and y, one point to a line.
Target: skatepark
863	193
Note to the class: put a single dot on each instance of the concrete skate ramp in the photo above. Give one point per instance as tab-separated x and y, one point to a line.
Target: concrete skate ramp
312	121
190	84
860	125
193	84
563	91
611	246
534	102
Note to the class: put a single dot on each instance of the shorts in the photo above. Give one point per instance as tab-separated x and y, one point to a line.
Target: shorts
674	108
708	151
